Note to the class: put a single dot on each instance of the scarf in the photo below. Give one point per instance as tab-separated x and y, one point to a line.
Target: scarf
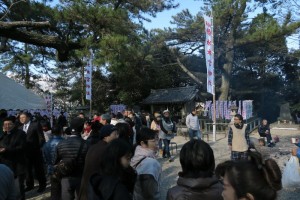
141	153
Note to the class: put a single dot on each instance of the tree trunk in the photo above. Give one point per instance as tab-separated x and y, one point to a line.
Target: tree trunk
227	68
27	74
190	74
82	86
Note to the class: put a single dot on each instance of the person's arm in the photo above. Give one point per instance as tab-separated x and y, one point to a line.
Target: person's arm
40	133
174	127
153	126
149	186
19	146
56	157
121	192
187	121
12	193
260	130
230	136
169	196
162	127
247	135
296	152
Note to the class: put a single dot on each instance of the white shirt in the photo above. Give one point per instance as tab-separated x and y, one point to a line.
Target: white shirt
192	122
25	127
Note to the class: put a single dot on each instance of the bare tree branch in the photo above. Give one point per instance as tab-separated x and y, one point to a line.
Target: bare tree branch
19	24
188	72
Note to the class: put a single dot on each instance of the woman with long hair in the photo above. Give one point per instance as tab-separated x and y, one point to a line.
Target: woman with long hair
116	178
251	180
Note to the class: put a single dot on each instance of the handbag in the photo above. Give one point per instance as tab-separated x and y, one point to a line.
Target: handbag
291	173
66	167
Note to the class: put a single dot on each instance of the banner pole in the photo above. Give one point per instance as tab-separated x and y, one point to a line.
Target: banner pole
91	63
214	86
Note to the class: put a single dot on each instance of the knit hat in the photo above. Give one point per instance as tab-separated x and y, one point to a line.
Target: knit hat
166	111
105	117
76	125
107	130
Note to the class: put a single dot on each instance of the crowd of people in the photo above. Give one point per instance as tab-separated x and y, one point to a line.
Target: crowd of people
114	157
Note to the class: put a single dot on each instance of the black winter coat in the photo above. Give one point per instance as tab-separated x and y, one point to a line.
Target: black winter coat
35	138
68	149
103	187
196	188
14	154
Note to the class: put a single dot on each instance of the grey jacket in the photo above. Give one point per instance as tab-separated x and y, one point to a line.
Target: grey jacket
147	183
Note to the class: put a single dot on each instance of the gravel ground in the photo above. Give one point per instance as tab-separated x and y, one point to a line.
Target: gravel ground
281	153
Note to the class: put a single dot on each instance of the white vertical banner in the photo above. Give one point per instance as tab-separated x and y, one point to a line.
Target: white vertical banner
88	79
49	102
209	54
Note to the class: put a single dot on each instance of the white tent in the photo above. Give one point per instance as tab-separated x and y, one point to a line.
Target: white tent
15	96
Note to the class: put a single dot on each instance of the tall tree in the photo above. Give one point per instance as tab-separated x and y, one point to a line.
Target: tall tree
231	25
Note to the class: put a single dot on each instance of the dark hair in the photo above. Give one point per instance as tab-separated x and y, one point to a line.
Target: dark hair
129	121
119	115
12	119
262	140
221	168
26	114
144	135
124	130
67	131
240	117
260	179
111	159
57	130
197	160
3	113
96	126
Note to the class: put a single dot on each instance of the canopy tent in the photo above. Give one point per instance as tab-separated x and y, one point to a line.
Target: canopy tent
15	96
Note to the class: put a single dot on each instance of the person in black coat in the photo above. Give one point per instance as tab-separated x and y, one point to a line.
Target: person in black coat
107	134
264	131
116	178
34	142
12	151
74	147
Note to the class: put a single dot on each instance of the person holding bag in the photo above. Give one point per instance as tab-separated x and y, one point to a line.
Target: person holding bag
69	160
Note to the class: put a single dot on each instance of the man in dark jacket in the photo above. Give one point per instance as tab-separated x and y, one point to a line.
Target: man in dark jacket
12	148
34	142
71	149
62	120
49	150
264	131
92	161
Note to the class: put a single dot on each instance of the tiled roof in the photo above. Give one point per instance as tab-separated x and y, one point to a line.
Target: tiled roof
172	95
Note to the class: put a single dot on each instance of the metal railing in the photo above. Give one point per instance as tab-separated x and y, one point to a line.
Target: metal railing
221	128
